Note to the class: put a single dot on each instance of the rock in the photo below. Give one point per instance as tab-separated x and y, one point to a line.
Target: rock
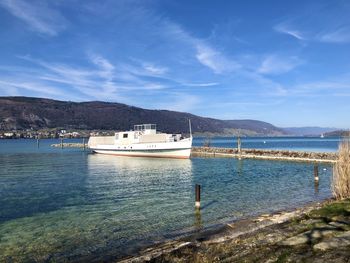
296	240
311	221
308	236
341	240
339	224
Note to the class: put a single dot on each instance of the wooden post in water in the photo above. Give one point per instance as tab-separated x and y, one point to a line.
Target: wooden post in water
37	141
316	173
84	143
198	196
61	143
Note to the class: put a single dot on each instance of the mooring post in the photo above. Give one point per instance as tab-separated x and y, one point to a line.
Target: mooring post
84	143
37	141
62	143
198	196
316	173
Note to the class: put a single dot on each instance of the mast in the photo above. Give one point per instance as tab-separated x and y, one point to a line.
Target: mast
189	123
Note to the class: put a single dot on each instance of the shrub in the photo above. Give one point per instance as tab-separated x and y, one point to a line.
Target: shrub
341	172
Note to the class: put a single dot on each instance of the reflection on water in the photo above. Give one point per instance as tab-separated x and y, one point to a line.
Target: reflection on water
316	187
59	205
198	224
132	166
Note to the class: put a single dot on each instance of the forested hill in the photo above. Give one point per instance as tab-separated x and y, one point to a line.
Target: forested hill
38	113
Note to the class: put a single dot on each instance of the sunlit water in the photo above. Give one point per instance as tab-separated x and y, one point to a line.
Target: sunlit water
67	204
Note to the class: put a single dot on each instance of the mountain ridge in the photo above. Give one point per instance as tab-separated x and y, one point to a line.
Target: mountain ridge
41	113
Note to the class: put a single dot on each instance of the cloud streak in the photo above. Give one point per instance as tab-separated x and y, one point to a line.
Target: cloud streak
31	86
274	64
340	36
323	23
215	60
285	29
208	84
101	80
38	15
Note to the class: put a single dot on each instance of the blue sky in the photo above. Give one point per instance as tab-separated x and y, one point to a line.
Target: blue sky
284	62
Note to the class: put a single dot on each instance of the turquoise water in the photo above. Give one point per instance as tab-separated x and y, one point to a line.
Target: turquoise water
67	204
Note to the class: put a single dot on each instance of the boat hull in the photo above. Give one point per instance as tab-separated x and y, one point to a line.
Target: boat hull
166	153
179	149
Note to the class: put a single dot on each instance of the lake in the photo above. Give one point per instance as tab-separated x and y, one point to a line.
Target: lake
68	204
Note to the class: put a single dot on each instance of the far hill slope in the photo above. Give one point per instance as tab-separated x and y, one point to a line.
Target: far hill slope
308	131
338	133
37	113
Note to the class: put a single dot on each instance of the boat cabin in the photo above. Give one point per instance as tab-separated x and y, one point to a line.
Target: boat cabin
144	133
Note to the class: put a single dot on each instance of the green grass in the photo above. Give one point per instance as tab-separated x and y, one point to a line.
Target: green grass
283	257
340	208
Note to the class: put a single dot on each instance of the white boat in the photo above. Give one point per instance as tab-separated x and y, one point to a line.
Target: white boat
143	141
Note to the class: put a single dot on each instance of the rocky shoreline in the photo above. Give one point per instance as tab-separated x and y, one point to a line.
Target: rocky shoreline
315	232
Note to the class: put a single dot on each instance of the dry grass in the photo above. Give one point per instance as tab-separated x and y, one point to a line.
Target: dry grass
341	172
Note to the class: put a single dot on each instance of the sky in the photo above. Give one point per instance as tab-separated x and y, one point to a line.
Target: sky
284	62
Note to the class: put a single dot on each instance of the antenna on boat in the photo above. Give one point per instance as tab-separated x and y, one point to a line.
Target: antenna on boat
189	123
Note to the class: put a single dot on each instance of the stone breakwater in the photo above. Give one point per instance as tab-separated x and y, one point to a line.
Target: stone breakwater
266	154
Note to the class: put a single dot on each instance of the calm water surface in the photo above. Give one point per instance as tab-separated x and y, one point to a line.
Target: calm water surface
67	204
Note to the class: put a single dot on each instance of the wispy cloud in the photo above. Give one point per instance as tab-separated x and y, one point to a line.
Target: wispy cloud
214	60
286	29
106	67
320	22
38	15
274	64
208	84
340	35
93	83
155	69
31	86
318	87
184	46
99	79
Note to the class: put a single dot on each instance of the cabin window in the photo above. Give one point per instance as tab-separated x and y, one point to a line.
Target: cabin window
125	135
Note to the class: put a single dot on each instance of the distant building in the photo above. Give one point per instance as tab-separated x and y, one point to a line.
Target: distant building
9	134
